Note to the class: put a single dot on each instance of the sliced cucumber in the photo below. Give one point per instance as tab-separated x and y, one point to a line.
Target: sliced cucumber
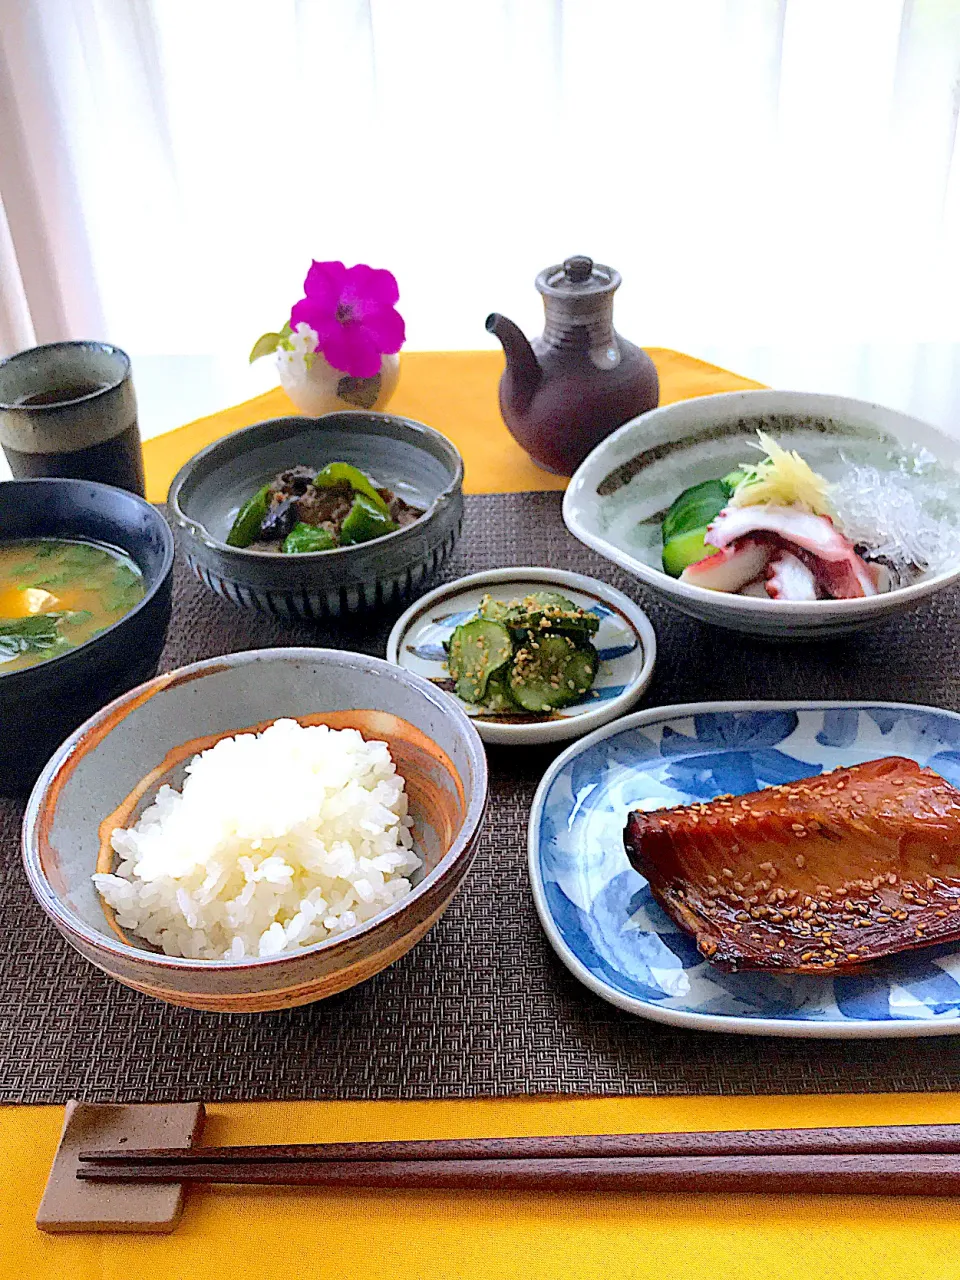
540	611
493	610
550	671
695	508
477	649
538	600
579	624
554	612
685	549
498	699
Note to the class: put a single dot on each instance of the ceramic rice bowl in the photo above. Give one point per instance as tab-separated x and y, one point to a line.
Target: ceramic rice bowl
418	463
149	734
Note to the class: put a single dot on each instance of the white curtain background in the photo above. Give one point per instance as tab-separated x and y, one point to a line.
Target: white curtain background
776	180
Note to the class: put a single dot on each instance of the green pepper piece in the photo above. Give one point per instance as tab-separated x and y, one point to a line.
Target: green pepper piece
364	522
307	537
249	519
335	473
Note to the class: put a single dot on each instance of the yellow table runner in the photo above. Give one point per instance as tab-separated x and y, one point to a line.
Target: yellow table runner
454	391
231	1234
295	1234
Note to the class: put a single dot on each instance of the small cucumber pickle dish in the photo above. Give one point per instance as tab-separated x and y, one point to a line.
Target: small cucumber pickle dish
533	655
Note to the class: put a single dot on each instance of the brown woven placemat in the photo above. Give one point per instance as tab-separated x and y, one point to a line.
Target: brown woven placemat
481	1006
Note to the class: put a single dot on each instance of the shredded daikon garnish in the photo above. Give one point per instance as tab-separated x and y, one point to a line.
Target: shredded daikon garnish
906	515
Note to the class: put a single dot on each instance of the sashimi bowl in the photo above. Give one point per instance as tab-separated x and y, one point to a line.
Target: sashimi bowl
886	471
111	771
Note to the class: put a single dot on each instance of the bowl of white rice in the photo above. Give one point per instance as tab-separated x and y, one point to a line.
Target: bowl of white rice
260	830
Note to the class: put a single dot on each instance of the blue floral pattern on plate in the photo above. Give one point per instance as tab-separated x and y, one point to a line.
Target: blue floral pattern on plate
604	923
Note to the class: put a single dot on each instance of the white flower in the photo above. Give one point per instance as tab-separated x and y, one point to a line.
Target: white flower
303	338
294	351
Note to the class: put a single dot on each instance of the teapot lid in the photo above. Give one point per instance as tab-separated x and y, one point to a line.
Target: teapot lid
578	277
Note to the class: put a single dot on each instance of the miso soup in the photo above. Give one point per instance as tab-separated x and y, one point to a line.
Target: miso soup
56	594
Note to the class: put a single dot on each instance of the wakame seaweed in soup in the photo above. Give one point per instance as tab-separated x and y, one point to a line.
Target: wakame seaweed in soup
55	594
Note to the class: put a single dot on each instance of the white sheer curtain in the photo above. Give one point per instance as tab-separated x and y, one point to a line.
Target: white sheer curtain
777	180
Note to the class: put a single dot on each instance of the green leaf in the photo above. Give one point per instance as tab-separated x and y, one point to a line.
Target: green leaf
84	555
36	634
285	335
266	344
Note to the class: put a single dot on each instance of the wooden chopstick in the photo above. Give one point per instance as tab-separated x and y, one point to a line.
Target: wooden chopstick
921	1139
859	1174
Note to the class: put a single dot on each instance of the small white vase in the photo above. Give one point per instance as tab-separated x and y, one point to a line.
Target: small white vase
323	389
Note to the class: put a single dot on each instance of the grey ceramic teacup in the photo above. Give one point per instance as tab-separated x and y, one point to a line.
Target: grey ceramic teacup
69	409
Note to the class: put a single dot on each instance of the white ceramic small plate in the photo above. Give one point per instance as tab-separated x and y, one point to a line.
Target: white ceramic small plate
625	640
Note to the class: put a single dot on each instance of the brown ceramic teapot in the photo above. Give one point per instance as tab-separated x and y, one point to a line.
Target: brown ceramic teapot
563	393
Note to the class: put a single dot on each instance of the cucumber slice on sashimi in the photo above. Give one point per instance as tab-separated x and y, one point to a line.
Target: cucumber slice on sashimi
685	549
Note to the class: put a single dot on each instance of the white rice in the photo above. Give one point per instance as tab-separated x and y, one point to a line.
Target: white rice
276	841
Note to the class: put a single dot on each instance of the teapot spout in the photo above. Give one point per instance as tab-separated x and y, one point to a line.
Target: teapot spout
525	373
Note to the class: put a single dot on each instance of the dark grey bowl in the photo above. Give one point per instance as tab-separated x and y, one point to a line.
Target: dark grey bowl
415	461
42	705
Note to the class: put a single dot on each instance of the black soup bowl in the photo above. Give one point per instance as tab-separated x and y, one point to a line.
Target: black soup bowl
42	705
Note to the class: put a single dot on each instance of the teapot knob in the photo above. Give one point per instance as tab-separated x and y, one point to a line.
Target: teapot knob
578	270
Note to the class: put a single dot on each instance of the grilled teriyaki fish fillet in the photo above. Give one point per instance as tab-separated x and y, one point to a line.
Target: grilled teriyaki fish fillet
814	876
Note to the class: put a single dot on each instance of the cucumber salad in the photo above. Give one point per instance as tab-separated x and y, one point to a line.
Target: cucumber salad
532	655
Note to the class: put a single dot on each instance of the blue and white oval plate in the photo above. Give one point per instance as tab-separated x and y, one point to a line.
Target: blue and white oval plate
625	640
600	915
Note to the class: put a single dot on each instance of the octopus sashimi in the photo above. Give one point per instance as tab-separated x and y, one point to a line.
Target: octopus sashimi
815	539
814	876
788	578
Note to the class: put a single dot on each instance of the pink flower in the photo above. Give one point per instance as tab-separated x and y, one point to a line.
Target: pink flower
352	312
